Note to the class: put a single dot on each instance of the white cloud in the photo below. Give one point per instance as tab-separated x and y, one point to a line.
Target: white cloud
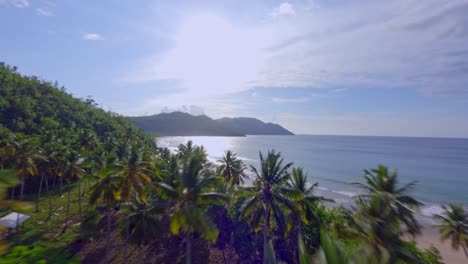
44	11
290	100
283	9
402	43
15	3
92	36
211	56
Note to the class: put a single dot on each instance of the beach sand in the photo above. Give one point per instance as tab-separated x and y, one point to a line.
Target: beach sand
430	237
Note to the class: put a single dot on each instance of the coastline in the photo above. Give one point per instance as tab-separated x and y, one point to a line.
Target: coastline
430	237
341	192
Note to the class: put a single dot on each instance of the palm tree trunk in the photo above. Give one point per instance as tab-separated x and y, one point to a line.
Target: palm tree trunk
22	188
49	198
68	212
188	251
465	250
39	193
299	238
13	193
224	256
127	235
84	187
79	199
61	185
108	231
266	225
68	202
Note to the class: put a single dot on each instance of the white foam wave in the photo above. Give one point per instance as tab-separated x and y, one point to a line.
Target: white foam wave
430	210
346	193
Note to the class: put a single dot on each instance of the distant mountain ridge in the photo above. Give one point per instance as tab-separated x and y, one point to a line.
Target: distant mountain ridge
252	126
183	124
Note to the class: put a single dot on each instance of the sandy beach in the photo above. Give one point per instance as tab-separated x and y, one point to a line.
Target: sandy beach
430	237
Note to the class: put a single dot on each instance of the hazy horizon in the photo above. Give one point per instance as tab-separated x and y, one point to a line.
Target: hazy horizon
365	68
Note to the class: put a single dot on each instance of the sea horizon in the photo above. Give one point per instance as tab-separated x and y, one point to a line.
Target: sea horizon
423	159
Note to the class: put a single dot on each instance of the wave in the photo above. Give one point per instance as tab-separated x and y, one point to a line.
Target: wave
349	194
431	209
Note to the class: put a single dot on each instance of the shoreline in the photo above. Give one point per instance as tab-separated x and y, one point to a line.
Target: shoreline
430	237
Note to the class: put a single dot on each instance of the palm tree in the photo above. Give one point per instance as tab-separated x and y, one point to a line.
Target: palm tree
170	169
24	153
185	150
107	190
454	226
231	169
304	196
270	196
386	212
191	191
72	165
306	201
144	221
136	172
381	183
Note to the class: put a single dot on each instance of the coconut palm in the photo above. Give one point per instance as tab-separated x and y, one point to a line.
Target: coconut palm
191	191
135	170
170	169
49	167
306	201
72	166
269	197
143	224
185	150
231	169
107	190
304	195
382	183
386	212
24	153
454	226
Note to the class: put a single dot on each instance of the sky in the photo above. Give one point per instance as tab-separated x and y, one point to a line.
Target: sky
386	68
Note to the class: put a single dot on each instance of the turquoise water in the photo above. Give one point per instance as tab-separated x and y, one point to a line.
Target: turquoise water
440	165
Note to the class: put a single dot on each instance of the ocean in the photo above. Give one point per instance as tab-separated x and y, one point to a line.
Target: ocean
440	165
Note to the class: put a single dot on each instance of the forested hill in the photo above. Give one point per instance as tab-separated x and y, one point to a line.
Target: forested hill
34	108
183	124
253	126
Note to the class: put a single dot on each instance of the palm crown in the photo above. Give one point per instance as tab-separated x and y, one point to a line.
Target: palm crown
454	226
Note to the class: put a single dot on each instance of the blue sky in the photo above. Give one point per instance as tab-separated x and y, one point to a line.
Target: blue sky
360	67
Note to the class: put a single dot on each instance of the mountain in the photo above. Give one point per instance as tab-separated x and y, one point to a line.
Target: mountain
253	126
183	124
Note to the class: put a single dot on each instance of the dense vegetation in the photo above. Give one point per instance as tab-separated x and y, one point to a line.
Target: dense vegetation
112	196
183	124
252	126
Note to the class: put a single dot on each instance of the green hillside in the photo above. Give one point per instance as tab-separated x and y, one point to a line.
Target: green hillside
182	124
34	107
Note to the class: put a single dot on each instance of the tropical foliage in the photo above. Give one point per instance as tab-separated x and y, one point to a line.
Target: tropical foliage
454	226
108	184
